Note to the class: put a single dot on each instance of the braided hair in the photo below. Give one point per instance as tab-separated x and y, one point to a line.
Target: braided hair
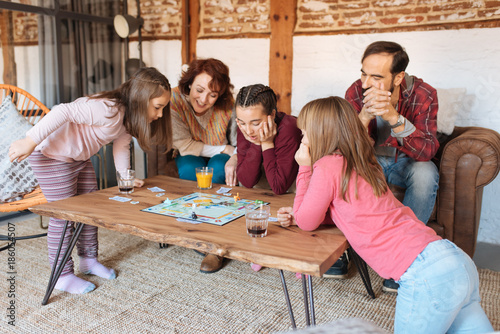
252	95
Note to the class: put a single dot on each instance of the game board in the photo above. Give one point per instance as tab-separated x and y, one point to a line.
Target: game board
210	208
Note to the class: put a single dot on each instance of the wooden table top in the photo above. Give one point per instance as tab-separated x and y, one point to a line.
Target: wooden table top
283	248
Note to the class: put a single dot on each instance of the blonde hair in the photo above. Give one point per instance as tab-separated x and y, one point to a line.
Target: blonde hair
333	127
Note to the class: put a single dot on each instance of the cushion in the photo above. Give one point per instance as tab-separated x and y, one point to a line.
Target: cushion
450	101
16	179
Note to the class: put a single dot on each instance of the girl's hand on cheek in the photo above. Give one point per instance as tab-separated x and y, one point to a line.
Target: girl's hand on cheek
302	156
267	133
268	130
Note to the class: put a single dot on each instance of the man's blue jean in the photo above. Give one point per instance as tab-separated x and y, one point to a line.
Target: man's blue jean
186	165
420	178
439	293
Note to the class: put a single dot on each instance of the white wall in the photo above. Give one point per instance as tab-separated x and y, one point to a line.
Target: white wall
247	59
164	55
28	75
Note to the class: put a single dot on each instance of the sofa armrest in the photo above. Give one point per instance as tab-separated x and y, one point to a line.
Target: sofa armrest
469	160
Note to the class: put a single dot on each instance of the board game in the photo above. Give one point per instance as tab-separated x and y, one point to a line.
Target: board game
208	208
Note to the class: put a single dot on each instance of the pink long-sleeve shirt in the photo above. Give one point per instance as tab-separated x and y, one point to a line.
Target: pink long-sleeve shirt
76	131
384	232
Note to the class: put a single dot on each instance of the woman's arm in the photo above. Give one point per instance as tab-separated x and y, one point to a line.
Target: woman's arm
209	151
182	139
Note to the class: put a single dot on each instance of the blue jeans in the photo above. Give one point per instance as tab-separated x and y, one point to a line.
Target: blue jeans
439	293
186	165
420	178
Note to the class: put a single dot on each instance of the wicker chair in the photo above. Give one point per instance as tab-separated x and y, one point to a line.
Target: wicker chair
32	110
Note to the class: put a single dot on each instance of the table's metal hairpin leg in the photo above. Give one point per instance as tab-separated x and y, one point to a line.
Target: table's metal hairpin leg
362	269
287	299
306	302
54	265
308	305
57	269
311	298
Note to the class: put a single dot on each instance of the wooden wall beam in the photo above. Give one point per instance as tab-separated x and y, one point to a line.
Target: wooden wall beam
7	45
190	28
283	18
194	27
185	31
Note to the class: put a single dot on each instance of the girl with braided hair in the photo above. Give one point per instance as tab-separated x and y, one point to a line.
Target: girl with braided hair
267	140
61	144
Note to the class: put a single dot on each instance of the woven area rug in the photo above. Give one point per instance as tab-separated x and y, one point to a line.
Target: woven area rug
162	291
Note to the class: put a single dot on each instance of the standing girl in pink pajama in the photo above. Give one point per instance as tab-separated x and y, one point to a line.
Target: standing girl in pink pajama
61	144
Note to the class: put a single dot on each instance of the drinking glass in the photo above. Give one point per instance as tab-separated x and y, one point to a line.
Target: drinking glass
204	177
125	180
257	217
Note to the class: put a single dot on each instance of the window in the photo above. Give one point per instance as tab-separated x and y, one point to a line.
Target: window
60	50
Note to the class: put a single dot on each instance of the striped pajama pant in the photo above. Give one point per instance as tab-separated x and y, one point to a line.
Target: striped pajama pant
59	180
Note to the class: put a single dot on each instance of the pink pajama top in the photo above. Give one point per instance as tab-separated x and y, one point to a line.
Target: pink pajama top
76	131
384	232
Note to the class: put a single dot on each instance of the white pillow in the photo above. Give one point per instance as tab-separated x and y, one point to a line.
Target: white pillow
450	101
16	179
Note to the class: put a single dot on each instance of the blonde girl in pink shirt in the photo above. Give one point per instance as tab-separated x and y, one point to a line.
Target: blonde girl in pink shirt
59	148
340	181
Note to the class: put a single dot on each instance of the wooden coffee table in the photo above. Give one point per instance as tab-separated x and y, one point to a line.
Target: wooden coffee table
309	253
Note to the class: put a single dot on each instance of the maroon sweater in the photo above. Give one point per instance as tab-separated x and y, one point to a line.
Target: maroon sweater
279	162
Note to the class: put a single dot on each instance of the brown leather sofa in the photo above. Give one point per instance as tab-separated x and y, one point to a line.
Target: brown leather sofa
468	160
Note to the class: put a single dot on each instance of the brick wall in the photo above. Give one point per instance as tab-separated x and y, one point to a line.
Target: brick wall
344	16
162	19
234	17
25	28
218	18
237	18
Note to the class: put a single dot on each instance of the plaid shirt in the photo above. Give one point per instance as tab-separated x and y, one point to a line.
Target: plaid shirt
418	104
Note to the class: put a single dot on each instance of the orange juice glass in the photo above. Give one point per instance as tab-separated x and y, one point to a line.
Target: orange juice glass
204	177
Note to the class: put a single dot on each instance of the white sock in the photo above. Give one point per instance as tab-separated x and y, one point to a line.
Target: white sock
92	267
72	284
